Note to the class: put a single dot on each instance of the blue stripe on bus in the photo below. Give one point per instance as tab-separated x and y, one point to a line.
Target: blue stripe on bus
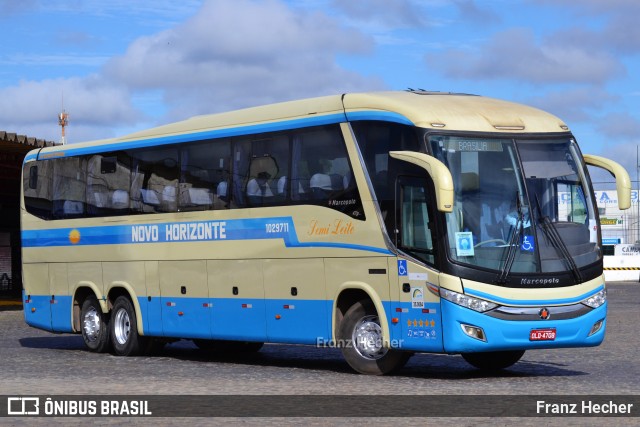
518	302
171	232
309	322
31	156
385	116
318	120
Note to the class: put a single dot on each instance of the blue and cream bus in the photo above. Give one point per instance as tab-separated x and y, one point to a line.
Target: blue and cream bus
385	223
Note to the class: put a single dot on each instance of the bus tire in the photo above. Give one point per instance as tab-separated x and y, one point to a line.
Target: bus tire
493	360
124	331
94	325
360	339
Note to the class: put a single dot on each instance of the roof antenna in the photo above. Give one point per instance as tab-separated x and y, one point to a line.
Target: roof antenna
63	121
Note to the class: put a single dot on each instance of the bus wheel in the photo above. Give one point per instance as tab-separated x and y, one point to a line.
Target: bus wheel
124	332
493	360
95	327
360	338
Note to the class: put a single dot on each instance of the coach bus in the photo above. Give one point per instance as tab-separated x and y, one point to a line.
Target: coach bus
385	224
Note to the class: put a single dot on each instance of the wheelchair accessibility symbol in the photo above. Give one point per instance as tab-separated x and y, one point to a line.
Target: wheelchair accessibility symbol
527	244
402	267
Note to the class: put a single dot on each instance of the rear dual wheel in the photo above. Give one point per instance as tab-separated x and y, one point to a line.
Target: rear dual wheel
95	326
124	330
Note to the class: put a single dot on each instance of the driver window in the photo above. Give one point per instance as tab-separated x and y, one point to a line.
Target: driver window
415	221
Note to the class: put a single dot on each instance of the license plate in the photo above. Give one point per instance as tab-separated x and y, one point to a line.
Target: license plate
542	334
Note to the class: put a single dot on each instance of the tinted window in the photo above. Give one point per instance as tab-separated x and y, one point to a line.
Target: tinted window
306	166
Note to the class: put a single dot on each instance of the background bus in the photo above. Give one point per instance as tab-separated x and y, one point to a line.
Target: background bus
384	223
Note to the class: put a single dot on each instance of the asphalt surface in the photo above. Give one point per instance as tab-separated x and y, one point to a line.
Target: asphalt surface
40	363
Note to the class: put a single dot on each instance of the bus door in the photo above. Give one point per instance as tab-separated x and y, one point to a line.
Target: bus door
184	296
420	318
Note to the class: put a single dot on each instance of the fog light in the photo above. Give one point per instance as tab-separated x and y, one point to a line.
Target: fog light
474	332
596	327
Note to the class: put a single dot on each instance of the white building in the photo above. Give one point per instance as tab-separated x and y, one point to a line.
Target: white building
620	236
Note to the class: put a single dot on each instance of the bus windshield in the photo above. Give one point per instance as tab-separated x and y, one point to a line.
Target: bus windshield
521	206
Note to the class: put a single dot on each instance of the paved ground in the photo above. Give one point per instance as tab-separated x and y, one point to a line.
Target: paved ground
37	362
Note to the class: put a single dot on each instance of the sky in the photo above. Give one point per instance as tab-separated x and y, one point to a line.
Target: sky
117	66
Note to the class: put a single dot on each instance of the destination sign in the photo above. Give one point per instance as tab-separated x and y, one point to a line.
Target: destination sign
473	145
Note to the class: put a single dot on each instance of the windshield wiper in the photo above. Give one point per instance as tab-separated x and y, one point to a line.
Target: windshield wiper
512	246
554	237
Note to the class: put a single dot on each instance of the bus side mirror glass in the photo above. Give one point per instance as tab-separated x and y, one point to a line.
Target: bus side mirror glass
33	177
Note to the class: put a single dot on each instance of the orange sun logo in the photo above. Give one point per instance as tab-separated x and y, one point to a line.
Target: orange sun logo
74	236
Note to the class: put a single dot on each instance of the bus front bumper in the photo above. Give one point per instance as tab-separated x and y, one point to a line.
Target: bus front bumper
502	335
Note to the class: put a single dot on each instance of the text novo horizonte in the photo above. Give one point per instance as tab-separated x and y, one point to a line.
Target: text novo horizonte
179	232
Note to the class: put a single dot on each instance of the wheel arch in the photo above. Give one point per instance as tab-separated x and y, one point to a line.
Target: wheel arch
85	289
117	289
348	294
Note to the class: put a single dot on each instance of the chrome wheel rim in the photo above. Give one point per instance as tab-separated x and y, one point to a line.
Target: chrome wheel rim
367	338
91	324
122	326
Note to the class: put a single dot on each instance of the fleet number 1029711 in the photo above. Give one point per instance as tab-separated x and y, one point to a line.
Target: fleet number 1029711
277	227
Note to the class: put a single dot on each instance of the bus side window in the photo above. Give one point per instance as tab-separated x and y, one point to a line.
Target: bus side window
322	170
261	173
196	187
108	184
154	180
240	168
69	181
37	188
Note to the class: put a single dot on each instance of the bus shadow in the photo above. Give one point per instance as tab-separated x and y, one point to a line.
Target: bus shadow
425	366
54	342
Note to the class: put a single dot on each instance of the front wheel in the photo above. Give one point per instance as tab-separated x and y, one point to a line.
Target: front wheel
95	326
361	341
493	360
124	331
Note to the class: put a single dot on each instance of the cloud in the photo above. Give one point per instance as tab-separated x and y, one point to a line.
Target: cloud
12	7
620	125
515	55
620	32
470	11
388	14
98	105
236	53
576	104
625	154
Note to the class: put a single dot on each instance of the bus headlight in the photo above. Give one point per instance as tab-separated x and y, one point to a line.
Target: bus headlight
596	300
475	304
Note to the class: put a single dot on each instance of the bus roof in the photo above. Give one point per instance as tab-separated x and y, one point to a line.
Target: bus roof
455	112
